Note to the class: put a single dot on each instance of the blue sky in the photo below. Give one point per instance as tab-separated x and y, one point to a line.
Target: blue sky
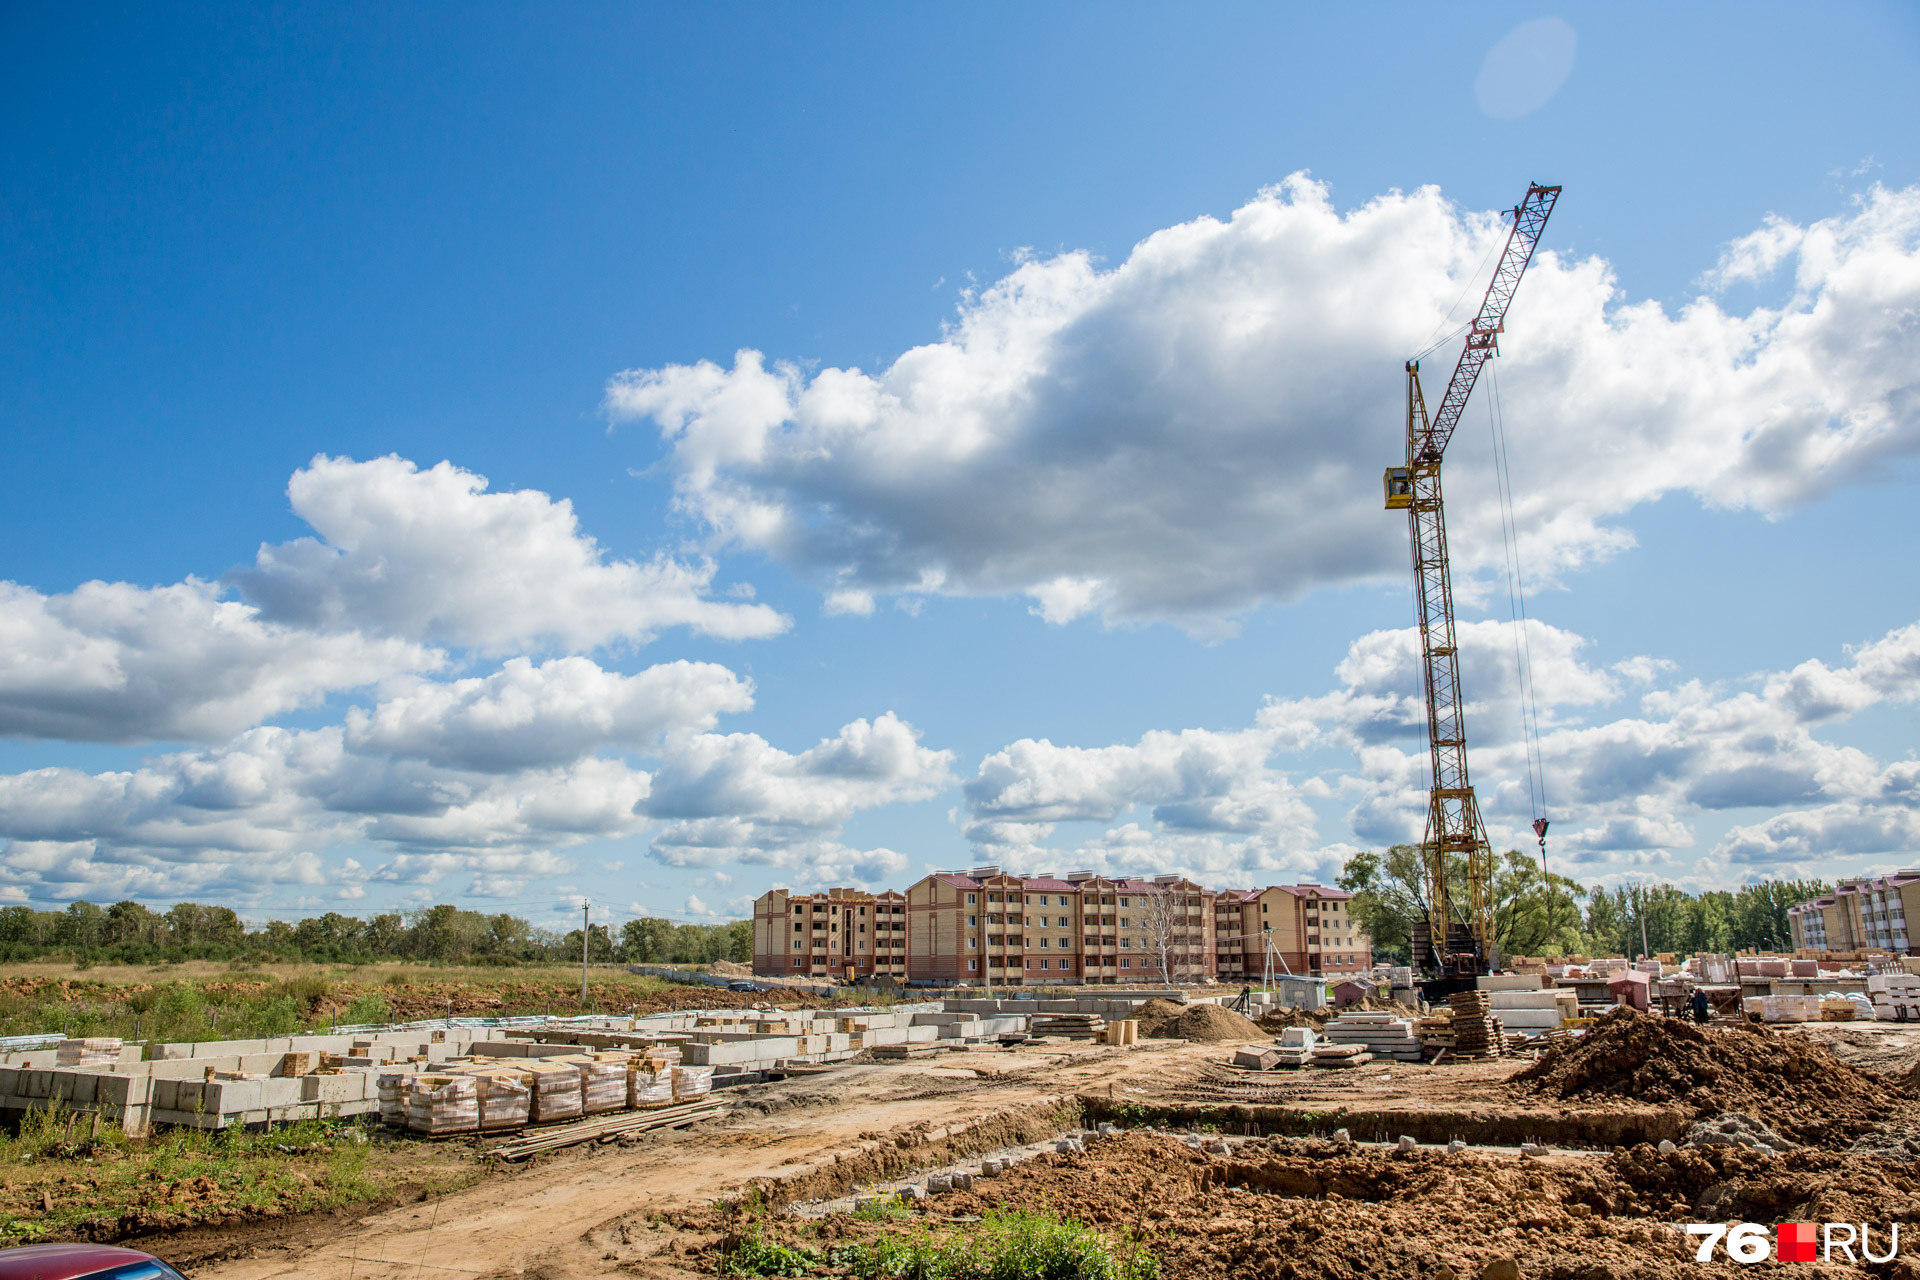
1042	529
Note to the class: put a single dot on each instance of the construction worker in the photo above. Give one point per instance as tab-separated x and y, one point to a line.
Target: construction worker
1702	1012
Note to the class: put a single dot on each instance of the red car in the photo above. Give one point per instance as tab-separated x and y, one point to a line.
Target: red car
81	1262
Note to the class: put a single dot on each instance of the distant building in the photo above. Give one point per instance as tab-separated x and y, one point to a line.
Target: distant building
988	927
1864	913
836	934
1310	930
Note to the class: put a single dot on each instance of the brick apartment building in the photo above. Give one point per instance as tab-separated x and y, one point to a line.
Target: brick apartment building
1864	913
840	933
985	926
1310	928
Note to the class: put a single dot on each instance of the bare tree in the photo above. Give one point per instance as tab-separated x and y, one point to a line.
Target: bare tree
1163	917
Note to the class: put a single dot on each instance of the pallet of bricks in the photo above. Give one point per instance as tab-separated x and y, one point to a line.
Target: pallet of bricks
1476	1032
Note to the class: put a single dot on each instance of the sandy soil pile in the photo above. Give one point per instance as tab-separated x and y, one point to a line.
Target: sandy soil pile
1311	1210
1157	1012
1208	1023
730	969
1791	1085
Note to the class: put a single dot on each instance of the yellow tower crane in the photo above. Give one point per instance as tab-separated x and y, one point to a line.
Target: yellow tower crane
1457	939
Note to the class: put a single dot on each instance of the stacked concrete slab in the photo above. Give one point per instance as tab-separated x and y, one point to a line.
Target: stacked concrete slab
1381	1034
1532	1011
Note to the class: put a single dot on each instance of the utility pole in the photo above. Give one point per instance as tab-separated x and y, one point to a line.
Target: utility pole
586	933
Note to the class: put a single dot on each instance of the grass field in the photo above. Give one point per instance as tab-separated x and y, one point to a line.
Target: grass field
216	1002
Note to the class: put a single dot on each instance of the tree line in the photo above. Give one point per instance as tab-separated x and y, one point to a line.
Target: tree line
1537	913
129	933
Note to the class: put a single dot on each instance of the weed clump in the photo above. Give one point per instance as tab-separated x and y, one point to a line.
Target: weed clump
1006	1245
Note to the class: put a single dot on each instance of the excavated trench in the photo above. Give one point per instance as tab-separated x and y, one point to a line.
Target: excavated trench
1593	1128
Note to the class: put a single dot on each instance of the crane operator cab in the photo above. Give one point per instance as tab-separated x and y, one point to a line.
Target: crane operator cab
1399	484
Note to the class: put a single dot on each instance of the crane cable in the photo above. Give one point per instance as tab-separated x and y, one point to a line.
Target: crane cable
1522	639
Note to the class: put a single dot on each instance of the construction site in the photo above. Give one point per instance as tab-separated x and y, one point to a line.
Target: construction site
1465	1116
1370	1140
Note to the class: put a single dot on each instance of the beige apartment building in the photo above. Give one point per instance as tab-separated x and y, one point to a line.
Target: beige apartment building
838	934
1308	930
1864	913
988	927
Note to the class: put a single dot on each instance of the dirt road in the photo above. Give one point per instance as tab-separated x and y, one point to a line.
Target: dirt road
589	1212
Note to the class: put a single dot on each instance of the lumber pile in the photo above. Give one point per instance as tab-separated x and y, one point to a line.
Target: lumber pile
1435	1032
1476	1032
1072	1026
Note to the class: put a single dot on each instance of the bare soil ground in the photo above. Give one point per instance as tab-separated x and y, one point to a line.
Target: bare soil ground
1287	1201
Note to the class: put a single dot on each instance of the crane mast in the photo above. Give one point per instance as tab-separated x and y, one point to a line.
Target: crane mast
1458	937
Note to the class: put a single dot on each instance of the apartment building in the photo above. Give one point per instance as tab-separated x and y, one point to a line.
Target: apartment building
1863	913
1309	929
988	927
837	934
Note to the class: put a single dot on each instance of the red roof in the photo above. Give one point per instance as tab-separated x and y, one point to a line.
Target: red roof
67	1261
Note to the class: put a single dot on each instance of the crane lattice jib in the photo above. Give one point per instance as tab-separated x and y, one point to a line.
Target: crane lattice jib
1529	220
1455	833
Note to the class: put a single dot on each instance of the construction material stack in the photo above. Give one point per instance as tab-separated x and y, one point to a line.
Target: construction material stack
692	1082
442	1104
556	1090
1381	1034
1338	1055
1296	1046
1476	1032
1071	1026
1896	996
97	1052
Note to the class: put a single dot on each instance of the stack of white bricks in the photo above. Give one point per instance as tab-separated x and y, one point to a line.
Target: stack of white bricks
1895	996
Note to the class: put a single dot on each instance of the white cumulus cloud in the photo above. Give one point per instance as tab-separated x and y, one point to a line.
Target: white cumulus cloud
1201	428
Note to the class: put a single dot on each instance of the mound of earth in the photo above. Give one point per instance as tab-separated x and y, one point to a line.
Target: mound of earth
1314	1210
730	969
1281	1019
1155	1013
1207	1023
1792	1086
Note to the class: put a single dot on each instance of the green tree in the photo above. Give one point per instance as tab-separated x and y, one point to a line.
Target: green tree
1389	896
646	941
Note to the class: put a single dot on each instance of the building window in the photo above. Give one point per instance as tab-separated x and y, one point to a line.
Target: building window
1026	964
993	897
972	898
1123	902
973	944
972	965
1126	964
973	922
1043	941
